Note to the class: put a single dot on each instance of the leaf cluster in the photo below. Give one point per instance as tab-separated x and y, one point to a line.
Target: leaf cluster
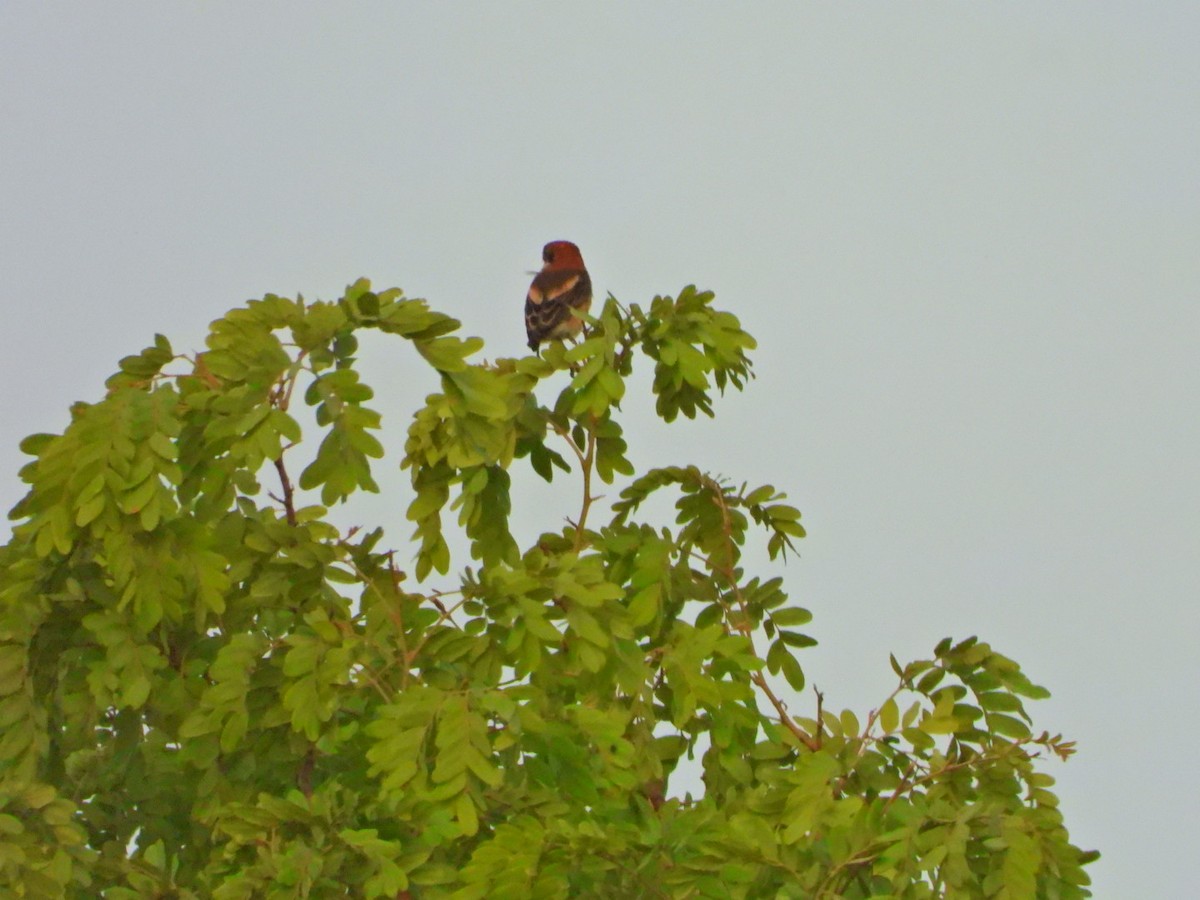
208	690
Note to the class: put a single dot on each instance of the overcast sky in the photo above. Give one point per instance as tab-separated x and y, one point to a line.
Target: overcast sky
967	237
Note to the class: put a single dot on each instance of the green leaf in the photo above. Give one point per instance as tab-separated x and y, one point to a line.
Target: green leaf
796	639
791	616
930	680
940	725
889	716
792	671
1008	726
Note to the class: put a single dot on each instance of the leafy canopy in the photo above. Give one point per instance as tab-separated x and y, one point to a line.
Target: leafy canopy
208	690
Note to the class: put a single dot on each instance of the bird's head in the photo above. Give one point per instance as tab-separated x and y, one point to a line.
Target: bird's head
561	255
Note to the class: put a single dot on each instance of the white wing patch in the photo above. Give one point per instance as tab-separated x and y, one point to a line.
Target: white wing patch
536	295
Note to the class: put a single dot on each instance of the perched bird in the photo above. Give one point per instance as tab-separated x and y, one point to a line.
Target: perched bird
561	294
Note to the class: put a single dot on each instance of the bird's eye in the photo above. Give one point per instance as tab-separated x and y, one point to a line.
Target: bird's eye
548	255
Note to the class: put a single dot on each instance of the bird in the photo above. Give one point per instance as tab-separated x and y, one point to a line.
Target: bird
559	297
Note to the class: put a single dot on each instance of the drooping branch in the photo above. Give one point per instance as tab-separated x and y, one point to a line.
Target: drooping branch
743	624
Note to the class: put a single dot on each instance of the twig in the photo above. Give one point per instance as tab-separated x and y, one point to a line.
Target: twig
289	502
861	858
865	738
785	719
744	626
589	464
280	399
587	461
904	785
907	782
566	436
291	385
820	735
394	611
446	613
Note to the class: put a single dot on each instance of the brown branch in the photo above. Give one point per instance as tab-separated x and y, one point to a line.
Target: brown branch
871	719
304	771
820	735
280	398
286	397
784	718
587	462
907	782
289	493
866	739
373	680
745	628
446	613
863	857
394	612
566	436
904	785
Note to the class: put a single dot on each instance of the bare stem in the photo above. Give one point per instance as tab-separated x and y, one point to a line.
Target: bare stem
908	783
280	398
820	735
289	494
395	613
446	613
743	623
587	464
286	398
566	436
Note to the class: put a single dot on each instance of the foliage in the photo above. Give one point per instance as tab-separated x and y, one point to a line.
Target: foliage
208	690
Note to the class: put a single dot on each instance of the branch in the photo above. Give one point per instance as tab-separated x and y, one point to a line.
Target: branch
908	783
744	626
286	397
280	398
587	461
820	735
444	616
395	611
566	436
784	718
289	494
859	859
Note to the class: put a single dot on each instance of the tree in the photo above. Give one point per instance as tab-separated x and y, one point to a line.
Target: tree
208	690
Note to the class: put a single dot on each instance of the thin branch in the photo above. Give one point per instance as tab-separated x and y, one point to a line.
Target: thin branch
566	436
291	384
373	680
589	464
744	626
904	785
861	858
395	613
820	735
866	739
446	613
908	783
289	494
280	398
784	718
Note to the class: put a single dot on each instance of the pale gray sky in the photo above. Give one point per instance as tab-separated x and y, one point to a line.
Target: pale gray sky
967	238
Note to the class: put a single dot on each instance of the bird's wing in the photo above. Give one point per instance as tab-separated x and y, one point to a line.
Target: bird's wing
552	285
553	297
